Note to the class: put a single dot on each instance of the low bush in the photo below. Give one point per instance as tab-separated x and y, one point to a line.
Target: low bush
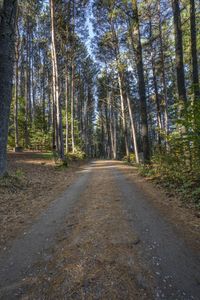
175	174
130	158
77	155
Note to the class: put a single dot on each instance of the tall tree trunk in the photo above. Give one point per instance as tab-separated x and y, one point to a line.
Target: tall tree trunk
85	120
107	114
22	68
8	10
195	75
180	74
32	83
73	75
29	71
54	133
122	99
159	120
26	138
133	131
121	88
140	72
43	95
106	130
114	135
179	52
49	101
112	128
66	113
72	106
163	71
158	108
59	129
16	88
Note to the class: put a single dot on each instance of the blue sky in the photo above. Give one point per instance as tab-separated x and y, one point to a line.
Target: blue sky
90	28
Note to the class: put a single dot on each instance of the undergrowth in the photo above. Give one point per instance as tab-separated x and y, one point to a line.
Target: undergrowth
43	155
78	155
69	158
177	176
12	180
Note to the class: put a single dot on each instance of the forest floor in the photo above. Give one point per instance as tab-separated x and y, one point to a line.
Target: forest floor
108	234
33	182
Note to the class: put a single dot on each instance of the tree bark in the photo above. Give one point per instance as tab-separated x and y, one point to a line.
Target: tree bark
66	113
163	72
195	75
112	128
120	81
16	87
140	72
72	106
133	131
179	52
59	129
121	88
7	49
158	106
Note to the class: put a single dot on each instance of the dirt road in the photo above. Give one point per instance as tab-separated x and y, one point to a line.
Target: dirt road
102	239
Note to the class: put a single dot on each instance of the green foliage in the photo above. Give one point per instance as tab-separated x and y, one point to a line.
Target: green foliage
130	158
69	157
11	141
147	170
196	196
21	124
58	161
39	137
174	173
40	140
19	174
177	166
77	155
12	181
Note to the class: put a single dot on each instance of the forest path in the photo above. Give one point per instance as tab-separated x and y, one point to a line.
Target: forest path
102	239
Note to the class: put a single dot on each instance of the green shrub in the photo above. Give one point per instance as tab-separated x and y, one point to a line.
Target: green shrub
77	155
172	171
196	196
147	170
130	158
